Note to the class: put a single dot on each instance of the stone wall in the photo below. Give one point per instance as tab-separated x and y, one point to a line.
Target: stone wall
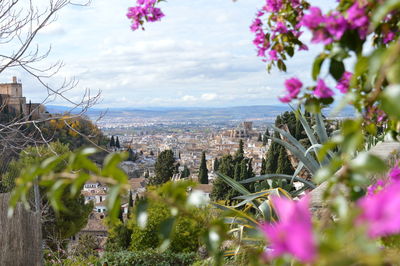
20	236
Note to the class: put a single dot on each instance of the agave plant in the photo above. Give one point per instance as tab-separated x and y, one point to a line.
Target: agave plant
309	158
253	209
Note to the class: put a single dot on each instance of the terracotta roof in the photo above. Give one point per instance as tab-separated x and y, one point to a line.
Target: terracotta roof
94	192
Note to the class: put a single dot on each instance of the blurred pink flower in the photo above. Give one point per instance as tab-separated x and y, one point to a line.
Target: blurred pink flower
394	173
293	87
344	82
358	19
322	91
380	211
273	55
293	232
273	5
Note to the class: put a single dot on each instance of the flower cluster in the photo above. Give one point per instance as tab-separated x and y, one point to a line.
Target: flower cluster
277	27
331	27
145	10
344	82
380	206
293	88
292	234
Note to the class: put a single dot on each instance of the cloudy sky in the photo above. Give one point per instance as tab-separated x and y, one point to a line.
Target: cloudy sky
200	54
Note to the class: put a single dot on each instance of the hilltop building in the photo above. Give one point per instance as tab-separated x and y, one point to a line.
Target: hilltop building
244	130
13	101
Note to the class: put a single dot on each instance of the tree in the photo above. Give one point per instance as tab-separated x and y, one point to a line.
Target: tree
117	144
112	142
266	137
130	200
220	190
259	137
186	234
164	168
56	227
147	174
185	172
239	155
216	164
263	166
203	171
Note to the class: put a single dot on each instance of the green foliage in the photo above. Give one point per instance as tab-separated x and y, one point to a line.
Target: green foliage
178	228
117	144
76	132
164	168
60	180
86	246
119	237
112	141
149	258
203	171
185	172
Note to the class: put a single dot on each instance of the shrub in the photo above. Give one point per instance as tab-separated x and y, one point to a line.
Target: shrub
148	258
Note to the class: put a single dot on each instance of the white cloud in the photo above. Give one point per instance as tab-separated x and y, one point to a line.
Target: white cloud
209	96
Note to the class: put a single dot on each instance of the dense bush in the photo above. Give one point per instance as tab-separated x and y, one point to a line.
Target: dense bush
148	257
185	237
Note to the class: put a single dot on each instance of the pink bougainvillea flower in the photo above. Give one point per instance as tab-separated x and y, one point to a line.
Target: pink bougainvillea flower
394	173
344	82
358	19
256	25
144	10
273	55
313	19
273	5
322	91
281	27
321	35
293	88
375	188
380	211
388	37
292	234
336	25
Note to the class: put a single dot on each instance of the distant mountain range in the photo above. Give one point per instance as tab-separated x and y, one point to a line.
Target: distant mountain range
257	112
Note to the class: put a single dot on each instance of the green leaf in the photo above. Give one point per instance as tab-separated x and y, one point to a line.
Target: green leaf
317	65
383	9
278	176
390	101
234	184
336	69
367	163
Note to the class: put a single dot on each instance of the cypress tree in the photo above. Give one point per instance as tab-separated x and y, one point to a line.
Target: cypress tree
250	172
220	189
203	171
147	174
117	145
259	137
216	164
185	172
130	202
239	155
243	170
164	168
237	172
263	166
121	215
284	166
112	142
